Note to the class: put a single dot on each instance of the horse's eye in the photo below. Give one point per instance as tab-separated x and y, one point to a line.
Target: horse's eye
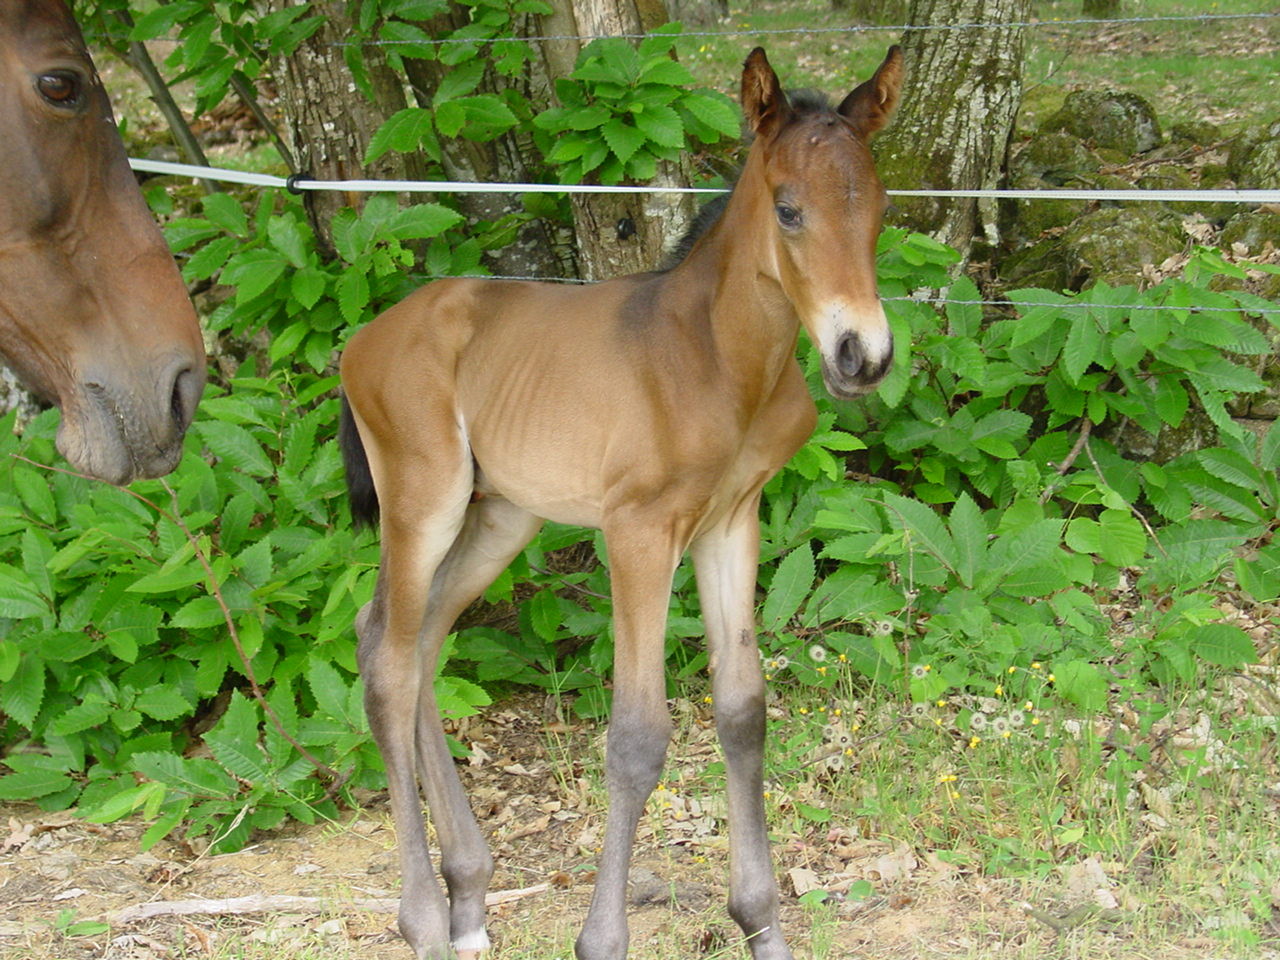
62	88
788	216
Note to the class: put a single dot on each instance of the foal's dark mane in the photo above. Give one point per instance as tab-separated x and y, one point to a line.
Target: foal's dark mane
804	103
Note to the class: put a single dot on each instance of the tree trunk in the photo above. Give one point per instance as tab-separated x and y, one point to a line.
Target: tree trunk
698	13
542	248
331	121
959	103
1101	8
618	233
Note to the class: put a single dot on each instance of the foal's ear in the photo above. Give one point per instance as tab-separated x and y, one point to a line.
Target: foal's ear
870	105
763	102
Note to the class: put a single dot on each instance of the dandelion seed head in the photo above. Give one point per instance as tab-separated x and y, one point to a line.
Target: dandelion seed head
817	653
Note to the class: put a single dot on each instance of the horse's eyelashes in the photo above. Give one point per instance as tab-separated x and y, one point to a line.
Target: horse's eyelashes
62	88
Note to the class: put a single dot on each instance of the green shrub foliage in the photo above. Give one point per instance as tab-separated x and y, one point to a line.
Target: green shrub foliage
961	523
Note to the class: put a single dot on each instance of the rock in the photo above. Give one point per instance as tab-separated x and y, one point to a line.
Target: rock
1032	218
1056	158
1254	158
1111	244
1200	133
1253	229
1214	176
1109	120
1171	176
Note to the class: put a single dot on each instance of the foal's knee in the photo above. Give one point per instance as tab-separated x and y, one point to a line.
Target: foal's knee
740	723
636	752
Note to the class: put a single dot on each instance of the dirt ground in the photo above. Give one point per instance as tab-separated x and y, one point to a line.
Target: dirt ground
65	885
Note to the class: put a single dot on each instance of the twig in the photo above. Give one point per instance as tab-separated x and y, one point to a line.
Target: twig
277	903
337	778
1132	509
1086	427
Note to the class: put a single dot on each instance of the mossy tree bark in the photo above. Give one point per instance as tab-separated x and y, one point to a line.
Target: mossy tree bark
542	248
618	233
961	97
330	120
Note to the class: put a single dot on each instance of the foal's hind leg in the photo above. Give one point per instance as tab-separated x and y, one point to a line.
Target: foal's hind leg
725	561
423	501
495	530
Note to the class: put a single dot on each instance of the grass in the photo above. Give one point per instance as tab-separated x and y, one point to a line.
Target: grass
1221	71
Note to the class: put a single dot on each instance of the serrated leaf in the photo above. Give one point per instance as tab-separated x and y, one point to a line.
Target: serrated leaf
717	113
623	139
1121	539
162	703
1084	341
32	784
234	741
662	125
969	535
18	595
1222	644
353	295
402	132
22	694
224	210
545	614
792	582
422	221
924	527
1230	466
236	445
1080	682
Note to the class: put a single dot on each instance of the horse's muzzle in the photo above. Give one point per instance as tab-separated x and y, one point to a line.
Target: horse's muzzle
852	370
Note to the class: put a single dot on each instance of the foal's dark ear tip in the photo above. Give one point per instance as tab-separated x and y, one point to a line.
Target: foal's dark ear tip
755	56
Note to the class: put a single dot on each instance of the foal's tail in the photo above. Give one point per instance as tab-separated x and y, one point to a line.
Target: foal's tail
360	490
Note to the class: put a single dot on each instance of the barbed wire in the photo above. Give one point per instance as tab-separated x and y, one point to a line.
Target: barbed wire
793	31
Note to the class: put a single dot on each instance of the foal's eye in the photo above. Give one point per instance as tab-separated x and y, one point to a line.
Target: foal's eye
62	88
788	216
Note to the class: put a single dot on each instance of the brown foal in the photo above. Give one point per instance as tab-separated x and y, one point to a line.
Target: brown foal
653	407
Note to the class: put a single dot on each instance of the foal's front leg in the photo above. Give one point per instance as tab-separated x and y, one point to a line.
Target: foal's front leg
725	561
421	518
642	560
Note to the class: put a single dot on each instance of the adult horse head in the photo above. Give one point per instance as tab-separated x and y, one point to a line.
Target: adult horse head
94	316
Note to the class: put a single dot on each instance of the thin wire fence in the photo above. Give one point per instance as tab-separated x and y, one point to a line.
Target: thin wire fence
853	28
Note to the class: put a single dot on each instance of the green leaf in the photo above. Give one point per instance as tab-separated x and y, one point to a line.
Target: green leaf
717	112
234	741
459	81
791	583
353	295
1230	466
1222	644
662	125
162	703
969	536
18	595
623	139
32	784
236	445
403	132
423	221
923	526
1082	348
22	694
545	614
224	210
1121	539
1080	682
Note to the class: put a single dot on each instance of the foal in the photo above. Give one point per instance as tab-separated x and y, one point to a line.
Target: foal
653	407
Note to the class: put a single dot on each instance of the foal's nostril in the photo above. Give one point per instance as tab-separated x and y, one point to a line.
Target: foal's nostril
849	356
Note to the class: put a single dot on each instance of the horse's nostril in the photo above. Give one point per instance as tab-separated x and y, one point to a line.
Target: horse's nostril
182	400
849	356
